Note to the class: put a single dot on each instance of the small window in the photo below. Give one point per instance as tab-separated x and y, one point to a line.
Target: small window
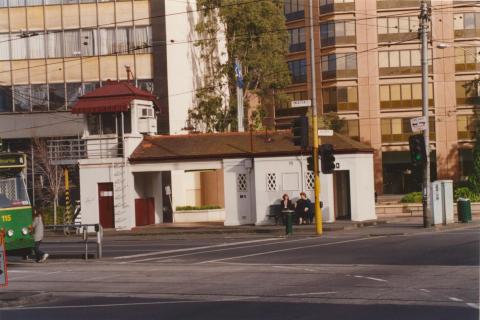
93	124
146	113
272	182
242	185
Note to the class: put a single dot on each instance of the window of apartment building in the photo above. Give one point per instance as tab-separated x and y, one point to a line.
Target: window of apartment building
5	99
56	96
467	59
466	25
466	127
39	94
337	32
89	42
143	39
21	98
298	70
4	46
339	65
399	129
391	4
72	43
337	99
396	62
55	44
146	85
296	39
398	25
351	128
408	95
74	90
18	46
36	46
336	5
294	9
107	41
467	92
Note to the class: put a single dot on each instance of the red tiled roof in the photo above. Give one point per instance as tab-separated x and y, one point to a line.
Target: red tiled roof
232	145
112	97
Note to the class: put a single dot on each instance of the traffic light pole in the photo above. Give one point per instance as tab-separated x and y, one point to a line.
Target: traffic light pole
318	210
424	21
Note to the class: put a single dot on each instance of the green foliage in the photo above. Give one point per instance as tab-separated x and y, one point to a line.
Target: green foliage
193	208
256	35
474	178
412	197
466	193
48	214
332	121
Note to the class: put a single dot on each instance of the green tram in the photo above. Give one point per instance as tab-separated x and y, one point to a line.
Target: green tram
15	208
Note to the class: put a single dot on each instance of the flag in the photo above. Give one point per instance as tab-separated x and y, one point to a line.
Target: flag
238	74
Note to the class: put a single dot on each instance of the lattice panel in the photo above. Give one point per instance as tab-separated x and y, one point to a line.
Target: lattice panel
242	185
272	182
8	188
309	180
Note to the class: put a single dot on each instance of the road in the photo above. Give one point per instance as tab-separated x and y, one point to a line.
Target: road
365	274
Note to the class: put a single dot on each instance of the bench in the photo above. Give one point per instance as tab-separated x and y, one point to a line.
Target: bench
275	212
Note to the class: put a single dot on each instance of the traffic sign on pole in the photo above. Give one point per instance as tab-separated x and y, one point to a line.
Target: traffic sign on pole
301	103
3	263
418	124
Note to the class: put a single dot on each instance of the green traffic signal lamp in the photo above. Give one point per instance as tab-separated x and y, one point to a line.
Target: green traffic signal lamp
418	153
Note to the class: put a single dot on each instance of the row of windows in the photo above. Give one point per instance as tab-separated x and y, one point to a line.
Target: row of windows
332	32
408	95
74	43
49	97
466	126
21	3
468	20
467	59
339	65
340	99
401	58
399	129
398	24
467	92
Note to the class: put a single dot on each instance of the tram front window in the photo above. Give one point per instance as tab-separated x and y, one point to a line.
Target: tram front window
13	192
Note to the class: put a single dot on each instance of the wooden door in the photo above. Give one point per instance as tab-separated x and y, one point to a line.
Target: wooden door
341	181
144	211
105	205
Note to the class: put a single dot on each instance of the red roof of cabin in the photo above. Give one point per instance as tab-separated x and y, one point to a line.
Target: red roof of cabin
112	97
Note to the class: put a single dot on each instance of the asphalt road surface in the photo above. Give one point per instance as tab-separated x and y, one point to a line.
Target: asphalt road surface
352	275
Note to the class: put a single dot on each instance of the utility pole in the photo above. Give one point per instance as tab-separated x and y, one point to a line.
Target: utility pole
238	72
424	26
318	210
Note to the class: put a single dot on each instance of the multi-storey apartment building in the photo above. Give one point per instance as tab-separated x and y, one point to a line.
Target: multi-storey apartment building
53	51
368	71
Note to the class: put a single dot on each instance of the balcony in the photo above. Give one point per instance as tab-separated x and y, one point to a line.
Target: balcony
297	47
296	15
398	4
337	7
333	41
69	151
333	74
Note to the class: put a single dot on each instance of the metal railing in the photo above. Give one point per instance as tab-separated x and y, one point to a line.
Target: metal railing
69	151
83	230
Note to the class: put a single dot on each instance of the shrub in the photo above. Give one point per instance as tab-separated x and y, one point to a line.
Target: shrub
465	193
192	208
412	197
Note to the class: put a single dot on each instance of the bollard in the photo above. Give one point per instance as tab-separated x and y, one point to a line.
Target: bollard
99	230
85	238
288	224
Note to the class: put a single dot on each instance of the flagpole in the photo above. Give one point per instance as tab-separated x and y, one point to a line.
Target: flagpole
238	73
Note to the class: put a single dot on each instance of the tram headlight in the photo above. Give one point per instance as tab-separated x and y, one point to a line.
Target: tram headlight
24	231
10	233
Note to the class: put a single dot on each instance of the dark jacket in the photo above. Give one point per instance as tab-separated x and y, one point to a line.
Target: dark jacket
289	205
301	205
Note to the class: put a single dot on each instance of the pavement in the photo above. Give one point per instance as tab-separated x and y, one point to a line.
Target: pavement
393	270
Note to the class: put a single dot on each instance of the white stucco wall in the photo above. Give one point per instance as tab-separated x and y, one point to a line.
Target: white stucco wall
362	190
290	175
92	173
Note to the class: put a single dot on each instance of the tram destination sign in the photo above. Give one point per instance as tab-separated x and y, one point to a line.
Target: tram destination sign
11	160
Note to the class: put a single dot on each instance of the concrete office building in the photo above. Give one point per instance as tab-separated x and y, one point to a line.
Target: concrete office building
53	51
368	71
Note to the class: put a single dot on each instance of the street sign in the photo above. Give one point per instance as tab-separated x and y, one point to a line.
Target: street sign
418	124
325	132
3	263
301	103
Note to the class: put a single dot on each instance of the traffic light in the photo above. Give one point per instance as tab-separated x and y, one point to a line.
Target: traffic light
300	132
310	163
327	158
418	152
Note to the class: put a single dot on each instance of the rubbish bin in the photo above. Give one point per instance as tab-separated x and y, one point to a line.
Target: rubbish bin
464	210
288	214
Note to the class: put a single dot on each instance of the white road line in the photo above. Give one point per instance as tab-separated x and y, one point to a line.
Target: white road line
424	290
294	268
474	305
371	278
105	305
455	299
164	258
194	248
288	249
310	294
